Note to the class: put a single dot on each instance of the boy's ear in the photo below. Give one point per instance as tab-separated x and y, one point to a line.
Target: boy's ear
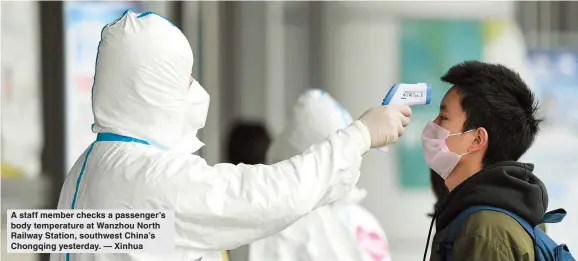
480	139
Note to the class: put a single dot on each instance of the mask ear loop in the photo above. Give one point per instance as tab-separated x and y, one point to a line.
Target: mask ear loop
462	133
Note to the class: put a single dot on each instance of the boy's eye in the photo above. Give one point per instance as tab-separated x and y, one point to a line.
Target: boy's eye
443	118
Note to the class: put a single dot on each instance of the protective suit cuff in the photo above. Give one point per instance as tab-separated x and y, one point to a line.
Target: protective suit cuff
360	135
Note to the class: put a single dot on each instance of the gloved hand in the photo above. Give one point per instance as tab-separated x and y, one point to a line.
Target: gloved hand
386	123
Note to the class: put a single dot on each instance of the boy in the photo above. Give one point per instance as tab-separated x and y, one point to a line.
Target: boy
487	121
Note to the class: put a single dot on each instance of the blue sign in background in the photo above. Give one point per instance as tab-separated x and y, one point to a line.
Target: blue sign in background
556	85
79	11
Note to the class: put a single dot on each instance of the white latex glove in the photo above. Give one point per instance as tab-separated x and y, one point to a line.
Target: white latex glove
386	123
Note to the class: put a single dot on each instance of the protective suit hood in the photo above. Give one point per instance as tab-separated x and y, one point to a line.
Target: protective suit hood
316	115
142	84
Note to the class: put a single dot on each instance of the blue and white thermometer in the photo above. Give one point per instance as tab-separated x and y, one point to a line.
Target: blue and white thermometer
407	94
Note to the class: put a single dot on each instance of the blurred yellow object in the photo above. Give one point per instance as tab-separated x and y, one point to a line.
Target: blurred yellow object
10	172
493	29
224	256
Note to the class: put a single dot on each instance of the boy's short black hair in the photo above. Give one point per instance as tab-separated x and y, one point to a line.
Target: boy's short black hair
496	98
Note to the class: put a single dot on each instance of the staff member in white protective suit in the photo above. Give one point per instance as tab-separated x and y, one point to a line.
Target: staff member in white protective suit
148	109
341	231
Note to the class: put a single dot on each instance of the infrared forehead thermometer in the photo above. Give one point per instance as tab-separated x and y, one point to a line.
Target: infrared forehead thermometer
407	94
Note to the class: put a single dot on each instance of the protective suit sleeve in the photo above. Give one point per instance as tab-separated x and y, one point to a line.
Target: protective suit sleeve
231	205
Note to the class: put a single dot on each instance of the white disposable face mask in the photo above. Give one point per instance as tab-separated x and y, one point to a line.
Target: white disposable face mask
196	115
436	152
199	101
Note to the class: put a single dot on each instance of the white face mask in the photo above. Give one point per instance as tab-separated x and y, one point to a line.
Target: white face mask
196	116
436	152
199	101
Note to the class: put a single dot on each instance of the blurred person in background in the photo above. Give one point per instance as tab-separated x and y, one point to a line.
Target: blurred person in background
487	121
343	230
248	143
148	109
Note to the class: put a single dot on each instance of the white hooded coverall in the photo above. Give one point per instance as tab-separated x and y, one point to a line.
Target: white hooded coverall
342	231
147	115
